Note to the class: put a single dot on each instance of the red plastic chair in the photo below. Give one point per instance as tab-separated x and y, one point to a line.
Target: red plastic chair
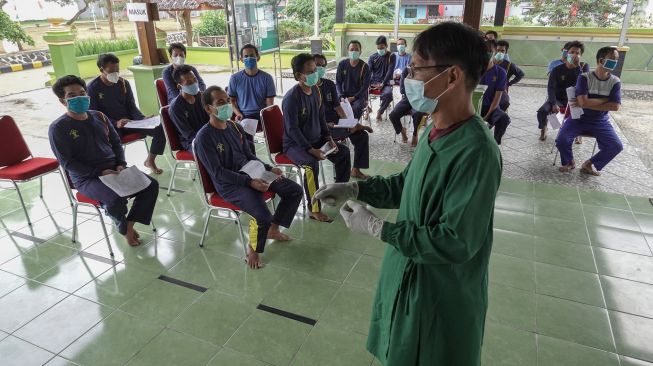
17	164
375	94
180	156
214	202
161	92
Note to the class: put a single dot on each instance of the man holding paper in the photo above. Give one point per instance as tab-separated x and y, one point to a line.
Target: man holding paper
598	93
240	178
112	95
186	110
342	124
403	108
306	137
353	79
88	147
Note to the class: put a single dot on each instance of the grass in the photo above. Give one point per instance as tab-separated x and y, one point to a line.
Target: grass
86	47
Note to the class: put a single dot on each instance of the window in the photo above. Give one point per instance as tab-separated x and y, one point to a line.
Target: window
410	13
432	11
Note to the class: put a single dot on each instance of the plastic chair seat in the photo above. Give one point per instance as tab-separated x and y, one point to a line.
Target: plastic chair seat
129	138
84	199
282	158
217	201
184	155
28	169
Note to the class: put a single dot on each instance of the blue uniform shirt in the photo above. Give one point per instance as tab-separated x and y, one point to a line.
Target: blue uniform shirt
251	91
85	148
352	81
187	118
171	84
553	64
401	62
330	100
382	68
560	79
589	84
495	79
115	101
303	119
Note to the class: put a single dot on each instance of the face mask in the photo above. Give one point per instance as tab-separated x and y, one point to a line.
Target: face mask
178	60
570	58
79	104
354	55
321	71
311	79
224	112
401	48
415	94
381	52
499	56
192	89
113	77
250	62
609	64
564	54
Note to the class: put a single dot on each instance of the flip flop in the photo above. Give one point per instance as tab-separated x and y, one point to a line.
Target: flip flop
590	172
330	220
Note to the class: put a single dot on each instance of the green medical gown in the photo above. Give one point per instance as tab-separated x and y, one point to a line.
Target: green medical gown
431	298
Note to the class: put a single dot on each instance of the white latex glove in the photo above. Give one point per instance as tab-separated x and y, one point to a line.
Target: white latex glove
361	220
335	194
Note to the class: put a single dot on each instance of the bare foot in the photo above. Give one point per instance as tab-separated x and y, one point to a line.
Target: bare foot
588	169
152	166
278	235
567	168
319	216
356	173
404	136
132	238
413	143
543	134
253	259
579	140
379	118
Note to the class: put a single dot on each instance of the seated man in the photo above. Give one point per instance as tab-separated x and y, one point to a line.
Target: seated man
112	95
87	147
353	79
557	62
491	35
306	131
222	149
597	93
177	53
513	73
186	110
382	66
491	111
251	89
561	78
402	57
403	108
333	112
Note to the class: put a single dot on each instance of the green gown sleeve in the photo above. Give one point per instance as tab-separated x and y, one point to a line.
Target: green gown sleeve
468	204
382	192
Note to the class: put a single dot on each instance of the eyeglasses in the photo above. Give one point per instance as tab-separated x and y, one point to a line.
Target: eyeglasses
413	68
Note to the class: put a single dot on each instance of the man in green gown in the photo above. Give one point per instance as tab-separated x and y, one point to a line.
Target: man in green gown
431	298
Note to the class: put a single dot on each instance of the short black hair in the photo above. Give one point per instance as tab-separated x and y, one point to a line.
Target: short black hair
455	44
249	45
106	58
491	45
494	33
402	39
179	71
207	98
320	56
566	46
178	46
353	41
503	43
604	51
578	44
298	63
381	40
65	81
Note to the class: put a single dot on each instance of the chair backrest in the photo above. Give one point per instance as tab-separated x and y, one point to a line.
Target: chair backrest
13	148
272	121
207	183
477	97
172	135
161	92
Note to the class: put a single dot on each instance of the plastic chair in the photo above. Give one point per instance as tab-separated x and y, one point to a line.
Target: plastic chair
161	92
179	155
214	201
17	164
373	95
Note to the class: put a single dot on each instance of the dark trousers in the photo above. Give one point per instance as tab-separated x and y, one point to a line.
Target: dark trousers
116	206
609	143
403	108
249	137
499	120
311	167
251	201
386	98
361	142
543	112
157	135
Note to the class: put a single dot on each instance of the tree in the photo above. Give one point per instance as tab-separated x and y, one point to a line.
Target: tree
212	23
73	2
573	13
12	31
356	11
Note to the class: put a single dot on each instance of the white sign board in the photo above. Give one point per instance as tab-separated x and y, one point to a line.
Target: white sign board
137	12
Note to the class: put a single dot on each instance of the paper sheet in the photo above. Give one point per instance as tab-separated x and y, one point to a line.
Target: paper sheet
327	149
346	123
346	106
554	122
575	111
148	123
249	125
127	182
256	170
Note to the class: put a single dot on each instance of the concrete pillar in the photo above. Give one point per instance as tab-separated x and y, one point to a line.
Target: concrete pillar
61	43
472	13
144	77
500	13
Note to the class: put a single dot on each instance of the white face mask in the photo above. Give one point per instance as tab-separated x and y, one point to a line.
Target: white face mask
113	77
415	94
178	60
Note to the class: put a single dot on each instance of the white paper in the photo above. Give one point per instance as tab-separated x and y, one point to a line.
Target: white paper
327	149
346	123
574	109
554	122
256	170
126	183
346	106
249	125
148	123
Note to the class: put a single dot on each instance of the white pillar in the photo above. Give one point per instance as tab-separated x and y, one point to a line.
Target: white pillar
316	19
624	28
397	12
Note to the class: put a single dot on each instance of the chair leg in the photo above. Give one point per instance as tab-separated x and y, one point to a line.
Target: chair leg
594	148
153	227
322	173
41	187
70	199
22	203
147	147
172	178
242	236
206	227
106	234
555	158
74	222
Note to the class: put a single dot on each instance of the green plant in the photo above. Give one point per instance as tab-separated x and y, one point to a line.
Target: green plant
328	42
293	29
12	31
86	47
575	13
212	23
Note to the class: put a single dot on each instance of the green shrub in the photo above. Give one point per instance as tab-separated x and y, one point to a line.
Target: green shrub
212	23
293	29
87	47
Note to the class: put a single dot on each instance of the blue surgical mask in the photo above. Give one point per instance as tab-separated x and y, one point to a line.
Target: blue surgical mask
381	51
354	55
609	64
250	62
79	104
415	95
570	59
321	71
499	56
565	53
401	48
312	79
191	89
224	112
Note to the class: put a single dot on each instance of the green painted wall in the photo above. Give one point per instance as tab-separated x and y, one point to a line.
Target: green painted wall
88	64
220	57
